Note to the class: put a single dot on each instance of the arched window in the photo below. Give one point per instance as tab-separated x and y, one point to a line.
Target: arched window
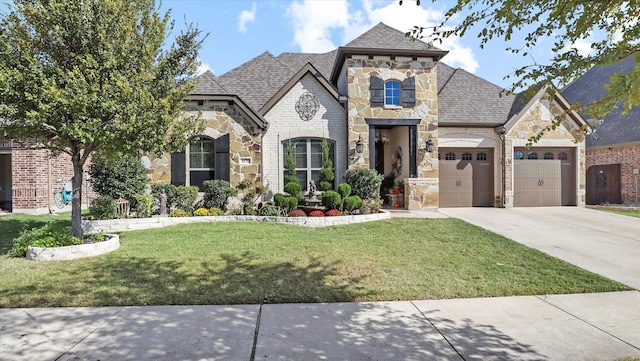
548	155
467	156
392	93
481	156
563	156
518	155
450	156
307	155
532	155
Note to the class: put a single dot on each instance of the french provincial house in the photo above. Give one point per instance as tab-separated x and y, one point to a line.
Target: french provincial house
381	102
613	149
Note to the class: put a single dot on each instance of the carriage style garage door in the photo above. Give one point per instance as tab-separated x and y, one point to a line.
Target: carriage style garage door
543	177
466	177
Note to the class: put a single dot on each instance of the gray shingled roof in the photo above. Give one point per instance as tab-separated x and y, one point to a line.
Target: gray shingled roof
257	80
616	128
207	85
322	62
382	36
465	99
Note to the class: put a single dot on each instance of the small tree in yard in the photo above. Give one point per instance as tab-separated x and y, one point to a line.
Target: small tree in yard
94	76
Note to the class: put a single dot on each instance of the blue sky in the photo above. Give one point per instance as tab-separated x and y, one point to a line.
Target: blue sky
240	30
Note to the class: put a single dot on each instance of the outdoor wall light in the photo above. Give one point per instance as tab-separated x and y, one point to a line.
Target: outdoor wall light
429	145
359	145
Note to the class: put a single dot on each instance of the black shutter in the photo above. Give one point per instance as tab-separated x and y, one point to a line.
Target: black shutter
222	164
409	92
376	87
178	170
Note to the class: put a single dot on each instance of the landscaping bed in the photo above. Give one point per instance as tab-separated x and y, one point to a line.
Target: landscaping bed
111	243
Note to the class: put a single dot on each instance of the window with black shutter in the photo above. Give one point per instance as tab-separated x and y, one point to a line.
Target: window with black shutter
178	170
376	87
409	92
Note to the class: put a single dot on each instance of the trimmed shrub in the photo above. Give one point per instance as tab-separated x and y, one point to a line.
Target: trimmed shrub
217	193
213	211
280	200
122	176
47	236
352	203
344	190
269	211
334	213
365	183
186	198
292	203
297	213
316	213
103	208
331	200
178	213
142	205
294	189
201	212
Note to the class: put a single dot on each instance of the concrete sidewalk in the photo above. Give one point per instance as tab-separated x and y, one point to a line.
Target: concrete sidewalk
602	326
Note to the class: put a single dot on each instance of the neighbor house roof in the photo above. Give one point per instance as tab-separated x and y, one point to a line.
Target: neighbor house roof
467	100
616	128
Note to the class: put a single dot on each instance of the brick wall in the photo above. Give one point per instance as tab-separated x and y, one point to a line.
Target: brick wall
30	176
629	159
285	123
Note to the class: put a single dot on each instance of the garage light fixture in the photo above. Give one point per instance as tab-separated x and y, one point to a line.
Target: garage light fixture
429	145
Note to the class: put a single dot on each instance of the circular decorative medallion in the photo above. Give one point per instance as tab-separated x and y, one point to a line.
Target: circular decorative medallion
307	106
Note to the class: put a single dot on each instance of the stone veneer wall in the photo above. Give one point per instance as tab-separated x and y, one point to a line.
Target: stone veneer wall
628	157
531	123
285	123
359	69
221	118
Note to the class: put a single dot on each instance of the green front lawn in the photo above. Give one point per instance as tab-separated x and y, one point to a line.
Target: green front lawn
244	263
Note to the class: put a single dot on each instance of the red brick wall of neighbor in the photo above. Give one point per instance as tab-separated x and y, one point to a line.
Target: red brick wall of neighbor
629	159
29	177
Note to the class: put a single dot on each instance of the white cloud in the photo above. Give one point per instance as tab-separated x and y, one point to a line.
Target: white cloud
583	46
246	16
202	68
314	23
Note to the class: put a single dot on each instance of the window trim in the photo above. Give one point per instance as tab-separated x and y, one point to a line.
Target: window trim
308	141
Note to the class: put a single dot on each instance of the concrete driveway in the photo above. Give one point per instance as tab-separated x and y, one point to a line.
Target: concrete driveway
604	243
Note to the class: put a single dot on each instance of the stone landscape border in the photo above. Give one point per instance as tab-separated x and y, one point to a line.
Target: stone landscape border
121	225
111	243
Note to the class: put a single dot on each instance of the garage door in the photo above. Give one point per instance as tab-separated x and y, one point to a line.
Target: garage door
466	177
543	177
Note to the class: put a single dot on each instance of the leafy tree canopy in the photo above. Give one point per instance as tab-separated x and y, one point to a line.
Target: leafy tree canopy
85	76
611	25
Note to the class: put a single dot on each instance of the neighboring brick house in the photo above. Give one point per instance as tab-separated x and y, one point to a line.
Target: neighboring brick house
613	149
383	102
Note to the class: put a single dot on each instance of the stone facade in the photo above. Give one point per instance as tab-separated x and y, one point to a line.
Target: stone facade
220	118
567	135
628	156
359	70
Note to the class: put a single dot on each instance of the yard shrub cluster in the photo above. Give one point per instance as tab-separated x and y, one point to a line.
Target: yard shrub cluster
217	193
47	236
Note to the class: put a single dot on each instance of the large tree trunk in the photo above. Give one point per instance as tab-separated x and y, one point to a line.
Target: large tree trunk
76	201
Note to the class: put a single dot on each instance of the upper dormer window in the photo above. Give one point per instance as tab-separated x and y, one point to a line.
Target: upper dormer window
392	93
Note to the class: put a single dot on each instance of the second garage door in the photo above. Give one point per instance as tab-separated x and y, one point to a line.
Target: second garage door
466	178
543	177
